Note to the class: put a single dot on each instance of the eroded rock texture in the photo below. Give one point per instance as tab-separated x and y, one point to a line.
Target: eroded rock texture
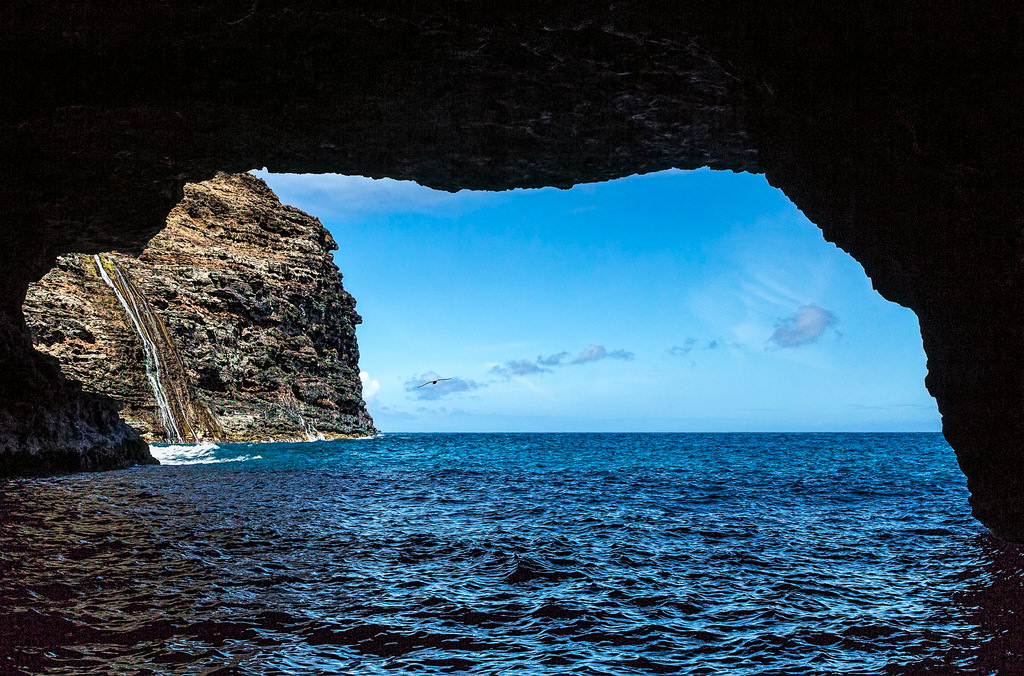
254	333
894	127
48	425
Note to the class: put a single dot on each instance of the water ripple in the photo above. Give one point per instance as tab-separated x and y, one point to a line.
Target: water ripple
492	554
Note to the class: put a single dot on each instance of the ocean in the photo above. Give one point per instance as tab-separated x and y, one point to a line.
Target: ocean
513	554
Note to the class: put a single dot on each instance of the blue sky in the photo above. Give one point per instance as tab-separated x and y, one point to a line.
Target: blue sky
675	301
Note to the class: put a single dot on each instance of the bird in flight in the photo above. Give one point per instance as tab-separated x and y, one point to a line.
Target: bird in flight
432	382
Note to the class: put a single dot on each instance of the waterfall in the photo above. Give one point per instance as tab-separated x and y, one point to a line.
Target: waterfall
291	407
152	333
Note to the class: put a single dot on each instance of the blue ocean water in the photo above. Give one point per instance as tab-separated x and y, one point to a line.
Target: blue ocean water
513	554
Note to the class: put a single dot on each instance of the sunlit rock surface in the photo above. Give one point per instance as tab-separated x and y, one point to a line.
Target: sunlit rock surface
895	128
253	335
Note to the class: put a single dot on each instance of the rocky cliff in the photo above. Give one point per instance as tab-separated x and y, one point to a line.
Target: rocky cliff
231	325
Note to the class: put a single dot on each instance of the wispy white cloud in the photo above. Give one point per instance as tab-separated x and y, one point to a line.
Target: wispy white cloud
763	288
594	353
691	344
804	327
684	349
519	367
552	360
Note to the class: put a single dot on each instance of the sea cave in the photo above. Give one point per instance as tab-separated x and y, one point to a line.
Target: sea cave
894	130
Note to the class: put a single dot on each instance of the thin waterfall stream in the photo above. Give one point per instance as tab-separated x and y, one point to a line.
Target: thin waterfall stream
152	333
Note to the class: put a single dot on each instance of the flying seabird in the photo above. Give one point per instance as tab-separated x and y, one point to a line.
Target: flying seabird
432	382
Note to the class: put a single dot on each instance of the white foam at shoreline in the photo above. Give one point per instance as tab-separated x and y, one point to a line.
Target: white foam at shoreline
201	453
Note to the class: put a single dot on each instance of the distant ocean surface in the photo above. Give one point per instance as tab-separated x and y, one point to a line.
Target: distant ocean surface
513	554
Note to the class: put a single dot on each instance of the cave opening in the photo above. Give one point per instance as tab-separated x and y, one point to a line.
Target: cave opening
671	301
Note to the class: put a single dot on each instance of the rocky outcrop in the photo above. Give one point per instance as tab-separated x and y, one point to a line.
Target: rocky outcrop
232	325
894	127
48	425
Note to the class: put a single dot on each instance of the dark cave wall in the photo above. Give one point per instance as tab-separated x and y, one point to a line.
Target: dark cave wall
900	140
894	128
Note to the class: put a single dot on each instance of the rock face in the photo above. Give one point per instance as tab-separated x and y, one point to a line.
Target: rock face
232	325
893	127
68	430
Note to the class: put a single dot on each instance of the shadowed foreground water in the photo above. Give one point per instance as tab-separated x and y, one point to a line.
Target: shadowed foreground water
501	554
